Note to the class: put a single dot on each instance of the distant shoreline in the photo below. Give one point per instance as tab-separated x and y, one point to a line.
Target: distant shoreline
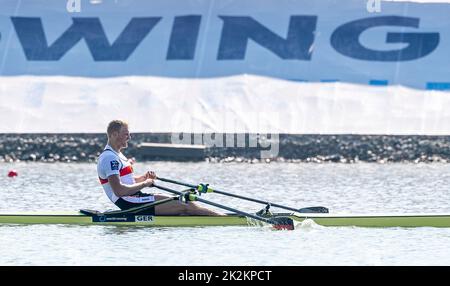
78	147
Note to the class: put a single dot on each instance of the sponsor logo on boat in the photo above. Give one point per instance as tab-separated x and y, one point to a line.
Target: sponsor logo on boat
104	218
143	218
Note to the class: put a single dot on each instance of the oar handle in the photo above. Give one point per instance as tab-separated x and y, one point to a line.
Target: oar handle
202	188
176	182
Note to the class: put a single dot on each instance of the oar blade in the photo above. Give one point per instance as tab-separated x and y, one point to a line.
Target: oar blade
313	210
282	223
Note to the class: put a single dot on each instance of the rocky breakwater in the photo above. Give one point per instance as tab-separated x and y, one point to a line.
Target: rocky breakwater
292	148
345	149
373	148
65	147
50	147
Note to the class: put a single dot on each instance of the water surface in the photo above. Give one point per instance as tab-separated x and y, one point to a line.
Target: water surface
344	188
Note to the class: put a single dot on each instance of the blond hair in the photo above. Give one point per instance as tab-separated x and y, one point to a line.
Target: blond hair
114	126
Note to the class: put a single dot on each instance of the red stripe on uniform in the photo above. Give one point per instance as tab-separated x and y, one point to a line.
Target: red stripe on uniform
125	171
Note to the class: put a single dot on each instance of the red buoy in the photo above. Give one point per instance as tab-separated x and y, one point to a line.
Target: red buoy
12	173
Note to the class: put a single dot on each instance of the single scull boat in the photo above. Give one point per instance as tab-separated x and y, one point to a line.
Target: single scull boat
86	217
137	216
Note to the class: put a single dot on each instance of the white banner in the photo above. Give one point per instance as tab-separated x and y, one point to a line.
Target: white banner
227	66
240	104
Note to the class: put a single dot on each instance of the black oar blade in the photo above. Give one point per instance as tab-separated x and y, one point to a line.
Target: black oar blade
282	223
313	210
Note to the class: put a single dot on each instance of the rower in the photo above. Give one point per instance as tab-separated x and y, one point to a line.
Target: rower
123	187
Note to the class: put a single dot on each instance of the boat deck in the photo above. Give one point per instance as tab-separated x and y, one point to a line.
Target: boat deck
358	220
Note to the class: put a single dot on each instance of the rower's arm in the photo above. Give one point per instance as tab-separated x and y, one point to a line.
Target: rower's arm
122	190
139	179
148	175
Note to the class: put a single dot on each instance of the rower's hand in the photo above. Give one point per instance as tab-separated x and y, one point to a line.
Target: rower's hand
150	175
148	182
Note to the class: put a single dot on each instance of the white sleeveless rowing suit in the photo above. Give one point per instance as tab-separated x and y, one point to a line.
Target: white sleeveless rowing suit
112	163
